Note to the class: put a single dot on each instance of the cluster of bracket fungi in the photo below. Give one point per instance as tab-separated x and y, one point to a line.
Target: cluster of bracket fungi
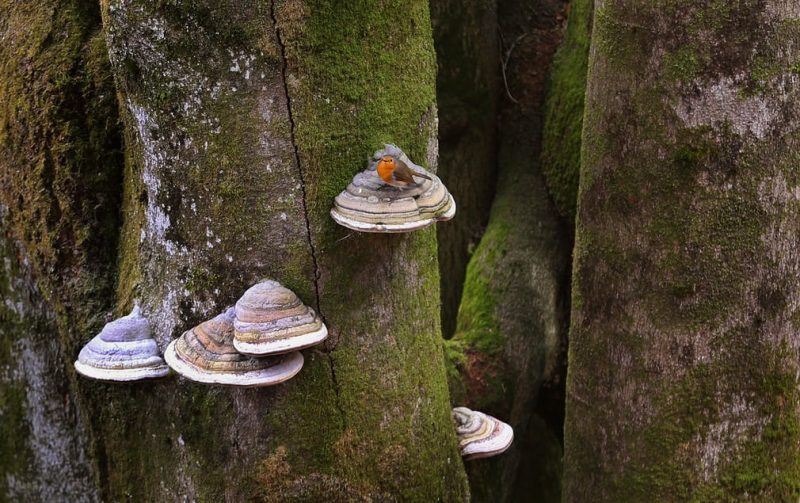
258	341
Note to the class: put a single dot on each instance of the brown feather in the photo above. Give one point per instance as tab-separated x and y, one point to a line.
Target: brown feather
405	174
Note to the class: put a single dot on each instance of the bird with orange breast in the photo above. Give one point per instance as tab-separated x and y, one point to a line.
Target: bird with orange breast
395	172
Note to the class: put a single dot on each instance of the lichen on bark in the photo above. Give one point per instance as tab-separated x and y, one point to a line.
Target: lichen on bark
60	169
688	214
244	122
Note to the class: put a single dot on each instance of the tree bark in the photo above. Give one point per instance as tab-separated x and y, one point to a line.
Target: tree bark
684	346
60	175
242	122
561	138
468	56
510	339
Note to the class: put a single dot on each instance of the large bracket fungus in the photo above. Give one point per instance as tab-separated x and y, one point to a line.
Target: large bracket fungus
206	354
481	435
370	204
123	351
271	319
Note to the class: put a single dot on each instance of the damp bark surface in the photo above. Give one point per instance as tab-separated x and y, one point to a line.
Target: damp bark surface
467	85
242	121
684	342
507	353
60	179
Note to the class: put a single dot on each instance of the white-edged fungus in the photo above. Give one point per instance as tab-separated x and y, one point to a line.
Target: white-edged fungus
123	351
271	319
369	204
206	354
481	435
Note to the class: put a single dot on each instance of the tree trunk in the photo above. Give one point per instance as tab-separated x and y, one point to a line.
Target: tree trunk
465	33
561	138
60	179
510	338
683	380
243	121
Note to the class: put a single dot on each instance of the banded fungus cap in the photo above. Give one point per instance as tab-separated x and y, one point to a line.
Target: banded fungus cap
124	350
206	354
271	319
481	435
370	205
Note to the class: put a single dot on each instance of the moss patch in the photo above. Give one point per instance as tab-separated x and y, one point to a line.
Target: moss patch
680	289
561	138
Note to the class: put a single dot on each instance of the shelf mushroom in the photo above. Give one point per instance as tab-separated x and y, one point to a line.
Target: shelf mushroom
206	354
481	435
371	204
271	319
123	351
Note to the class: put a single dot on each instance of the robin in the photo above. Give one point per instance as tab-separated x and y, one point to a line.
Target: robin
396	173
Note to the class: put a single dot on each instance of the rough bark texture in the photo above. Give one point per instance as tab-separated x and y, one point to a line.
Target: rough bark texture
509	344
244	120
60	178
683	380
238	137
465	35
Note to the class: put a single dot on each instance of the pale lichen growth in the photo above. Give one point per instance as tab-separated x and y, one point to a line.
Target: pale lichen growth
722	103
721	441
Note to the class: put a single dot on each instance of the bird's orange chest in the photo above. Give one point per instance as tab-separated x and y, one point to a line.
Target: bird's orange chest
385	170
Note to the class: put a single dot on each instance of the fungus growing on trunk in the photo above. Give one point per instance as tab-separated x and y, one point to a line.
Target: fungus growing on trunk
271	319
481	435
206	354
123	351
375	201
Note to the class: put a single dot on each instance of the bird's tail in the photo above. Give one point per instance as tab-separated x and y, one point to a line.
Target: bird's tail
422	175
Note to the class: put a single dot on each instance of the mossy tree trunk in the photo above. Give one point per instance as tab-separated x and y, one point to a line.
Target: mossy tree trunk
683	377
242	122
468	56
60	181
510	339
566	91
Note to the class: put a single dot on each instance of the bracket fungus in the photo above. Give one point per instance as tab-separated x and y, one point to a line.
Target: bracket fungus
375	202
481	435
206	354
271	319
123	351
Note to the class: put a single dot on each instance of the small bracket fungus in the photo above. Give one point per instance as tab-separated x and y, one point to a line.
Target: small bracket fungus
271	319
481	435
206	354
123	351
393	195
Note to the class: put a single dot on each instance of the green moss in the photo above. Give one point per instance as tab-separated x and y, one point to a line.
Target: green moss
477	319
750	468
676	290
351	91
475	353
15	454
561	137
60	169
686	55
16	457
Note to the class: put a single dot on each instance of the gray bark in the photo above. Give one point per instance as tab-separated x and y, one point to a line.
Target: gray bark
240	128
684	346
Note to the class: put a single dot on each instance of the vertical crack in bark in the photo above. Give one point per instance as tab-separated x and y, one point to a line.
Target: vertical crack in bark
292	131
